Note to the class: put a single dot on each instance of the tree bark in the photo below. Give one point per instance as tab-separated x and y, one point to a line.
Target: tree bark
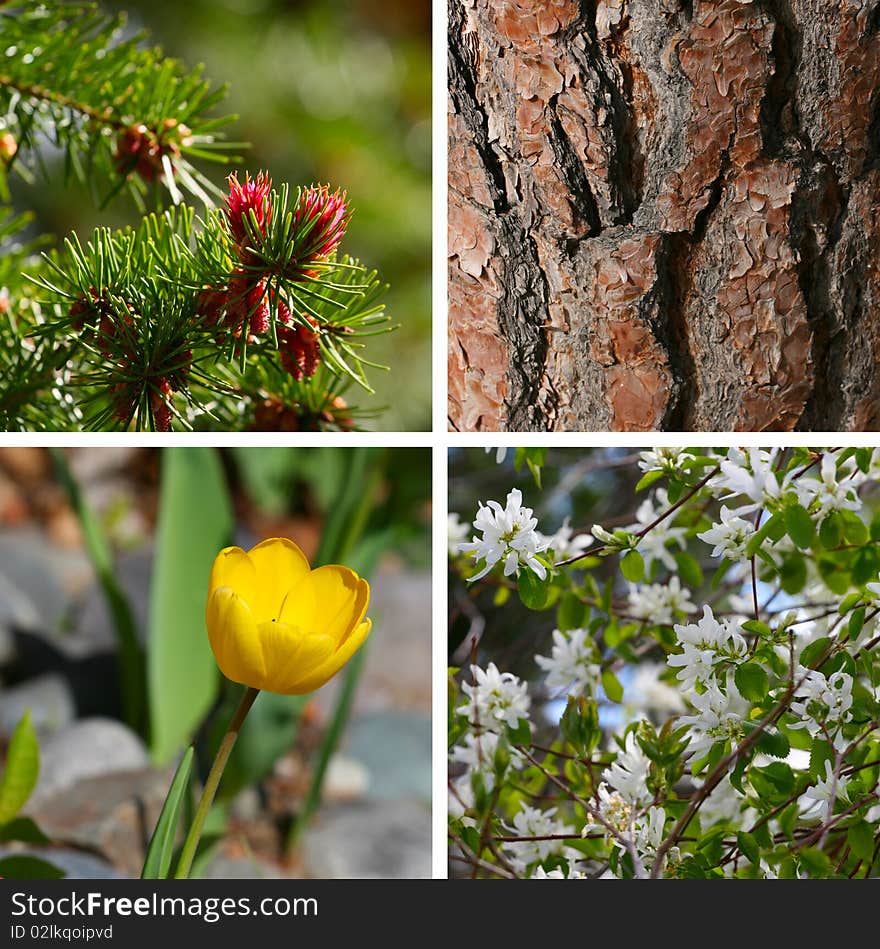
664	214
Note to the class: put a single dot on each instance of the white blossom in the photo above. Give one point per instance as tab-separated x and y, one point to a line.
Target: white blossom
730	537
500	454
572	665
531	822
628	774
565	544
827	492
456	533
822	701
719	717
495	698
750	474
655	544
478	754
659	603
509	535
818	800
706	644
667	459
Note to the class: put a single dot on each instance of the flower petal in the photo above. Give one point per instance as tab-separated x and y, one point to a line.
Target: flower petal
233	568
331	600
326	670
232	633
289	654
280	565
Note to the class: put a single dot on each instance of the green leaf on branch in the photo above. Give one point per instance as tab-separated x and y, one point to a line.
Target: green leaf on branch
752	681
571	612
632	566
649	478
611	685
749	846
689	570
813	652
831	531
533	591
800	526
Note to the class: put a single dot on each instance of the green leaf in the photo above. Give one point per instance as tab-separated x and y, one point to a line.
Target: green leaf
22	830
793	574
771	530
815	862
649	478
689	570
752	681
580	724
24	867
21	771
856	622
820	753
161	847
814	651
571	613
860	838
521	734
611	685
774	744
848	602
195	523
632	566
758	628
831	531
855	531
749	846
800	526
774	783
533	591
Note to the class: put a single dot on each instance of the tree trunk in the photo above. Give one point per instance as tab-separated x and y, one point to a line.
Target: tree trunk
664	214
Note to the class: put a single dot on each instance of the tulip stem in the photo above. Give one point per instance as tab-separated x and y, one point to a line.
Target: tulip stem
195	831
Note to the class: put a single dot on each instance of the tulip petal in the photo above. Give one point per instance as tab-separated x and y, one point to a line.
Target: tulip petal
280	565
330	600
289	653
326	670
233	568
234	640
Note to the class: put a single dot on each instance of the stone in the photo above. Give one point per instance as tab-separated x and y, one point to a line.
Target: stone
112	814
395	748
87	749
49	698
369	840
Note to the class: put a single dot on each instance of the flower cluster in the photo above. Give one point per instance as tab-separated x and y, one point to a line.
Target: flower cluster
573	664
509	537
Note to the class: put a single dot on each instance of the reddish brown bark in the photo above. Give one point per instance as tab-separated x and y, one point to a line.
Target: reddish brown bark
662	214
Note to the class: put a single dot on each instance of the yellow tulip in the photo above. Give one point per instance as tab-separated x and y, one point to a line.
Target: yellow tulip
276	624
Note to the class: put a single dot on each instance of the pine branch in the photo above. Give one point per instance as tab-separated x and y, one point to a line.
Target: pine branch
124	115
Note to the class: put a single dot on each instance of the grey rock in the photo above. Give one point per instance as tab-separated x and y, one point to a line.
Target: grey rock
223	867
49	698
45	576
395	747
369	840
113	815
87	749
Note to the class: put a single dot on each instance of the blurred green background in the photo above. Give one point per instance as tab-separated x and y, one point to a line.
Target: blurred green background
330	91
